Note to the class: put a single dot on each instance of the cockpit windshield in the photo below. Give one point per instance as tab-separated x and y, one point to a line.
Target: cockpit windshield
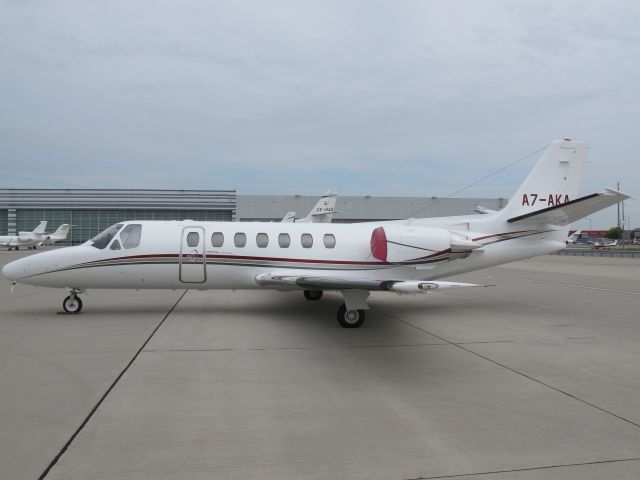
103	238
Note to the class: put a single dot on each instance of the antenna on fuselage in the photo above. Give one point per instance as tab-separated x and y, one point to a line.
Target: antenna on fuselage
502	169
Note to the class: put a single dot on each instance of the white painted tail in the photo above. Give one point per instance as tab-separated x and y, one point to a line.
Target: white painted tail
41	227
554	180
323	211
62	231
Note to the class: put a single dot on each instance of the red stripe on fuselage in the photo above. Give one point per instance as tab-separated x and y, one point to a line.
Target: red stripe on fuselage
249	257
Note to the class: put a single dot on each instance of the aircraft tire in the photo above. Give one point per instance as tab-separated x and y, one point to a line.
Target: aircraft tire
313	295
350	318
72	304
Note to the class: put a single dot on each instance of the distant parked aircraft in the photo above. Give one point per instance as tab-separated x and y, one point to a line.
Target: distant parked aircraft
605	244
573	237
59	235
483	210
322	212
24	239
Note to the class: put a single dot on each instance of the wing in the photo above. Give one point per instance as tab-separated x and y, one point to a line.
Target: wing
350	283
569	212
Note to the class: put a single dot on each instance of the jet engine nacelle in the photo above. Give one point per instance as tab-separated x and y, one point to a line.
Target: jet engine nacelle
405	243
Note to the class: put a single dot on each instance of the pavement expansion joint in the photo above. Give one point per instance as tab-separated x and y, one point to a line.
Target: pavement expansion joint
108	391
269	349
561	284
330	347
528	469
513	370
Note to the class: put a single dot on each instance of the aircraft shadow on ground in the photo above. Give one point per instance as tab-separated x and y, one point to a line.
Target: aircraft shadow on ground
285	308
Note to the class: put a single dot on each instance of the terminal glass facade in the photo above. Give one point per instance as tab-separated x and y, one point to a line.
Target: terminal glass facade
88	223
3	221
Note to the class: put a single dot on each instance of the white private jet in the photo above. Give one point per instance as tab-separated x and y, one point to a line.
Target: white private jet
322	212
59	235
571	239
406	256
483	210
605	244
24	239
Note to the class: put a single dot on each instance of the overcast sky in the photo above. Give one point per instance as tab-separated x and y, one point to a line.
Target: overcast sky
379	98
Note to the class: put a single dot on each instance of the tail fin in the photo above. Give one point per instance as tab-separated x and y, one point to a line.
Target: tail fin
41	227
290	217
62	231
323	211
554	180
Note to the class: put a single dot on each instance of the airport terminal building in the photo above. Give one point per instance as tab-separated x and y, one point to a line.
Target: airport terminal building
92	210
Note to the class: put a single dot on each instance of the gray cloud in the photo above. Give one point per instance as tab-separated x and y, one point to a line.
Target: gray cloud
373	97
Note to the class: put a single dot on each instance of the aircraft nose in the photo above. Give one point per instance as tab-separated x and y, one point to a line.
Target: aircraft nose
15	270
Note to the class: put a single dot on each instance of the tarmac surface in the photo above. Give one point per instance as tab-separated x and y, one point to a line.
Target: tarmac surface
535	378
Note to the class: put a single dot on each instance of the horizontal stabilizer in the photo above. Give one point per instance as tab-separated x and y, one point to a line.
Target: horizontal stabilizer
569	212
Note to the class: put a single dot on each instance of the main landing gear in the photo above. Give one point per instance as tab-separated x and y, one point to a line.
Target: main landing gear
72	303
350	318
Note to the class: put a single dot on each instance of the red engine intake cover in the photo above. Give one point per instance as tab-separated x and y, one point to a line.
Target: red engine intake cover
379	244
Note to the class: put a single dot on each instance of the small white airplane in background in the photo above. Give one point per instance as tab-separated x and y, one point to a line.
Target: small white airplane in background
322	212
405	256
58	236
483	210
605	244
573	237
24	239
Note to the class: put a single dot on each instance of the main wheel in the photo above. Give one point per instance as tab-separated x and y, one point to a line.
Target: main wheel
350	318
72	304
313	294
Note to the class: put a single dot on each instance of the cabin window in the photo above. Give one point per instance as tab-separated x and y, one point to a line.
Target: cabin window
115	245
239	240
217	239
193	239
307	240
262	240
284	240
103	238
130	235
329	240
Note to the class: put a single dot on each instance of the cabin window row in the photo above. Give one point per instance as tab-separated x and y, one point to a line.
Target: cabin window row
262	240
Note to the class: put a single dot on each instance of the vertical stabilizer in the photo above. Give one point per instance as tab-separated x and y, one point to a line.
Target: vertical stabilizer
323	211
62	232
290	217
40	228
554	180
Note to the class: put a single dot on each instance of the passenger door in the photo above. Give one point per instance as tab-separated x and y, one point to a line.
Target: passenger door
193	256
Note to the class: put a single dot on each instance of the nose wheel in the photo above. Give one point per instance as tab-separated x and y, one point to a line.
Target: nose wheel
72	304
350	318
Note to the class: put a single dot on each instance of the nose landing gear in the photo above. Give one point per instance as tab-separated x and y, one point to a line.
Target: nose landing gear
72	303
